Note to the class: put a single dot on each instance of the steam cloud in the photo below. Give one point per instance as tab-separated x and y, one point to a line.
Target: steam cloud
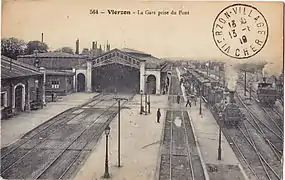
231	76
272	69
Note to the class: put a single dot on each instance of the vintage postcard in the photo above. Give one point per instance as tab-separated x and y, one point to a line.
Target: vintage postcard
142	90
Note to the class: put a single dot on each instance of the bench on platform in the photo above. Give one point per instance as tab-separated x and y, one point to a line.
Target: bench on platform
34	105
7	112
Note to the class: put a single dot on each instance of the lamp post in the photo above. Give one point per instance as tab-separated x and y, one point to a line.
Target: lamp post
220	138
106	174
119	129
141	110
148	96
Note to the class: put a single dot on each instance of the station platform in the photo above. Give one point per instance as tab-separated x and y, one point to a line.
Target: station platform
206	132
140	144
14	128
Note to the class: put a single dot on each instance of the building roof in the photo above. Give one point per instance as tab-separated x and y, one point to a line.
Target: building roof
135	52
59	72
11	68
53	55
151	61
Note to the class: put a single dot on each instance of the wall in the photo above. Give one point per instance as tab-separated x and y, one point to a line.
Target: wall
64	86
8	85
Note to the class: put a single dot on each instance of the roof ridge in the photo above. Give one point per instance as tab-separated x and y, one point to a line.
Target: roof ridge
21	64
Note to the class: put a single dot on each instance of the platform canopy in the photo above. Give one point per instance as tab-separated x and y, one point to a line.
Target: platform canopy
127	57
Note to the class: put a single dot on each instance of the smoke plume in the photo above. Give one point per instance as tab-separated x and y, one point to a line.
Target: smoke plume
272	69
231	74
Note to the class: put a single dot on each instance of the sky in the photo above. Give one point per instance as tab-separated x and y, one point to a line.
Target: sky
188	36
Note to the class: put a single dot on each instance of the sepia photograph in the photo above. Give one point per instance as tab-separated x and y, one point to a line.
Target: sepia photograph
142	90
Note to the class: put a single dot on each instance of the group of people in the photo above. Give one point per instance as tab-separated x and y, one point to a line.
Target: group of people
188	102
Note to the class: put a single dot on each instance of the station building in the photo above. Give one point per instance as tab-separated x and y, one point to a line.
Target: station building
59	67
116	70
123	70
21	85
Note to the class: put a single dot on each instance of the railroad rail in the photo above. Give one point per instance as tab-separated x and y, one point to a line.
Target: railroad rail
179	143
64	159
57	120
256	120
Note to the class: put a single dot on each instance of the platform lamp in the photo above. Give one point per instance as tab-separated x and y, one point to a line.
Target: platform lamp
107	132
148	89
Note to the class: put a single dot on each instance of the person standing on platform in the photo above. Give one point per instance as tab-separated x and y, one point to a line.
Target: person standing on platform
158	114
188	102
178	99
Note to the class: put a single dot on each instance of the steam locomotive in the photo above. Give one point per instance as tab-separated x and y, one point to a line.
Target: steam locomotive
223	106
229	111
266	93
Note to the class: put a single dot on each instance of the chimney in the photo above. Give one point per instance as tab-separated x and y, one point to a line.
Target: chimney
77	47
100	49
93	45
42	37
264	79
232	95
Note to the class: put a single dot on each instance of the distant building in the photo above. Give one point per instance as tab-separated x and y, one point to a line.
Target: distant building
21	86
60	69
98	69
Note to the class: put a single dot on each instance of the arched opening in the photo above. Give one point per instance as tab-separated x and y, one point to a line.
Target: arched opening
80	82
151	84
19	98
115	78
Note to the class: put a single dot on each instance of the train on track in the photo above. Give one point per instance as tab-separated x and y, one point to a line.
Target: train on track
228	111
222	105
266	93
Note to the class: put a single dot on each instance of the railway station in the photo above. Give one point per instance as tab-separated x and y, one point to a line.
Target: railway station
105	124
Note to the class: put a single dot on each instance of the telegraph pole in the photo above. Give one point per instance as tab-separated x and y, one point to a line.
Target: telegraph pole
119	129
220	138
245	82
145	94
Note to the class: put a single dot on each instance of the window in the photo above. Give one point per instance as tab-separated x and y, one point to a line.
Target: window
4	99
55	84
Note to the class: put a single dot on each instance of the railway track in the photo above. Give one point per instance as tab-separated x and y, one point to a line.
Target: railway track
273	142
257	163
180	159
55	149
57	120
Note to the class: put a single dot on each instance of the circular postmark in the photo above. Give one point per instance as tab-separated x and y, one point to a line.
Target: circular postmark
240	31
